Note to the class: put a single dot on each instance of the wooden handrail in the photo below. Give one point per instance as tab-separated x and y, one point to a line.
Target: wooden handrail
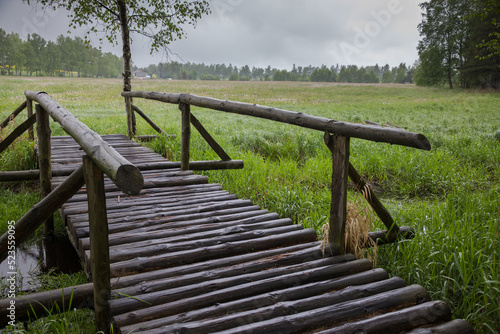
123	173
367	132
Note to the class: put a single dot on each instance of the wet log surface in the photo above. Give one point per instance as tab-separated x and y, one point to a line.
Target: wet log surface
188	257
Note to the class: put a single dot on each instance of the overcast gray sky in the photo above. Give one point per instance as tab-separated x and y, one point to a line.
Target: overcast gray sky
259	33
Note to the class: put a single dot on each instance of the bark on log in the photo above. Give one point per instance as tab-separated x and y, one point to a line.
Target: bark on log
148	120
385	237
284	308
455	326
372	133
99	249
13	115
373	200
400	320
37	305
339	146
321	317
211	252
29	108
43	209
17	132
44	162
167	304
125	175
262	300
186	135
209	139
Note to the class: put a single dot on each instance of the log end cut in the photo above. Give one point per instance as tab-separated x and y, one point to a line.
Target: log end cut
129	179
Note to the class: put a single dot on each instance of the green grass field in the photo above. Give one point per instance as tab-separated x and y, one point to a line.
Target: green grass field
450	195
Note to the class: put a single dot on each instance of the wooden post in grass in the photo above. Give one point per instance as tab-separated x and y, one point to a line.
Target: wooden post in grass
99	245
339	146
29	108
44	162
186	134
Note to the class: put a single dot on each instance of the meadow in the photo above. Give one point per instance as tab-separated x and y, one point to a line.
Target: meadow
449	195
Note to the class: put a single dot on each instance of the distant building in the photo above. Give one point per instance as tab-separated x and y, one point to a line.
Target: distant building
141	75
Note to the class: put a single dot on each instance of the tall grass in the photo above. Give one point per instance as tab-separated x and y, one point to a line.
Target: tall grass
450	195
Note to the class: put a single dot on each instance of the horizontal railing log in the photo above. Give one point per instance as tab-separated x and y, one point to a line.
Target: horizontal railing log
124	174
34	174
367	132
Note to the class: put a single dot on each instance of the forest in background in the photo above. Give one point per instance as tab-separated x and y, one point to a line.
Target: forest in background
73	57
460	46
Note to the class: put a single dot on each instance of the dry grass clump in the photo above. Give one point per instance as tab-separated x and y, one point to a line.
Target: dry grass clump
359	221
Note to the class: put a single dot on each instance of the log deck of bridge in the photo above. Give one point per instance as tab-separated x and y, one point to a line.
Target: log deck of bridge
188	257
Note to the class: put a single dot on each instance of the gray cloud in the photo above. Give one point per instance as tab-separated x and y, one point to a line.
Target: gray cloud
263	32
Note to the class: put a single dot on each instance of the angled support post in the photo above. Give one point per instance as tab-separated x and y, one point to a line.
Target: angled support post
186	134
44	161
99	244
339	146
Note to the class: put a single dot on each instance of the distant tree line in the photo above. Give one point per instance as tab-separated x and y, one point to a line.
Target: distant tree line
347	74
460	43
74	57
66	57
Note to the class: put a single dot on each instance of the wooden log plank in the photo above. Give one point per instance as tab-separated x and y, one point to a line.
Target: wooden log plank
399	321
209	139
213	296
39	304
180	228
99	249
17	132
262	300
339	146
372	133
211	264
43	209
81	231
288	260
321	317
125	175
455	326
283	308
142	207
228	288
154	192
203	239
13	115
113	204
44	162
212	252
151	213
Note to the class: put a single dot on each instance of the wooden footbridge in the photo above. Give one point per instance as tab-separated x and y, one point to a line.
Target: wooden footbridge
167	252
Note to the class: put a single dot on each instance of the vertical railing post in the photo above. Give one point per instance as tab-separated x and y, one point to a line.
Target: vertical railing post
44	161
131	122
339	146
186	134
29	107
99	244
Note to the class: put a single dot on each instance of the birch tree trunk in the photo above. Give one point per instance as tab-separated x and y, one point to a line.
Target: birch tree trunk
127	62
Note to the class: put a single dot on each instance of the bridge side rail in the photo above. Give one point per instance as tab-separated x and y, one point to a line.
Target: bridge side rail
99	158
337	136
